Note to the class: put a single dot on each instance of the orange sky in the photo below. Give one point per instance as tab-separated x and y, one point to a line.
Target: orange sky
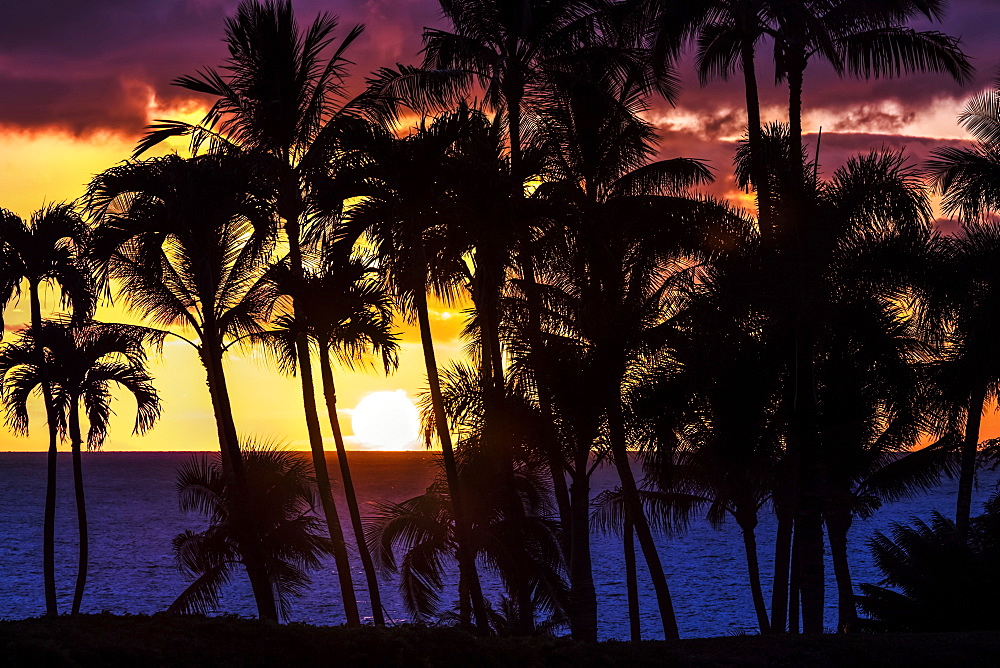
76	89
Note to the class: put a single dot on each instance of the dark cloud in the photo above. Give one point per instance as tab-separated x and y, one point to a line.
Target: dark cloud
86	66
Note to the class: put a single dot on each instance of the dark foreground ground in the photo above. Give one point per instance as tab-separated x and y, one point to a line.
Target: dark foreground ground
160	640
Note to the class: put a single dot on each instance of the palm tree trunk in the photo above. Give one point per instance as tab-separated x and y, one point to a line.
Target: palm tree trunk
330	393
232	461
755	139
52	457
553	451
76	441
633	506
794	587
632	583
499	437
782	562
582	606
748	522
466	557
323	482
970	444
838	522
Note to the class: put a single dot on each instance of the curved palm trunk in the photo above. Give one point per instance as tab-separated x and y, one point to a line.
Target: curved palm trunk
232	464
632	583
76	442
330	394
633	506
52	457
748	523
838	523
466	557
323	482
970	443
291	209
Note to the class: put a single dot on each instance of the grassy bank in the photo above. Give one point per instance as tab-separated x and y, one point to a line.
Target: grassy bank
109	640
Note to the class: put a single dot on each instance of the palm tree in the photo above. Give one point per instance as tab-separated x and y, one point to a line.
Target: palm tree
969	180
405	210
82	363
346	310
727	34
47	250
872	220
627	219
282	530
190	242
868	41
286	104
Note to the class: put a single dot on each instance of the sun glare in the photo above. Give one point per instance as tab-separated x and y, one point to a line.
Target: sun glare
386	421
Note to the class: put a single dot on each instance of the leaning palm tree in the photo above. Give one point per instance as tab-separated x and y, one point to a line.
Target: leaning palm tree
47	250
283	531
346	312
190	243
969	180
82	363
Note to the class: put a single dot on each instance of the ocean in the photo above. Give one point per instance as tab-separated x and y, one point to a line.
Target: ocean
134	514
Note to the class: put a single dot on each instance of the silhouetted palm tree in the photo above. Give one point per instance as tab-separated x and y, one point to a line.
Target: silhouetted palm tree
47	250
626	219
283	100
346	311
190	242
281	530
82	364
407	207
969	180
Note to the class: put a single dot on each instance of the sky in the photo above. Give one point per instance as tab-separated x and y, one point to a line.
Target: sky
80	80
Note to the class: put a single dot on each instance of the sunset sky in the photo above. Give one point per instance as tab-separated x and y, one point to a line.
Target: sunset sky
80	80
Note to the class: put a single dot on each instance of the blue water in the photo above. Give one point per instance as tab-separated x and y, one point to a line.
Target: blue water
133	511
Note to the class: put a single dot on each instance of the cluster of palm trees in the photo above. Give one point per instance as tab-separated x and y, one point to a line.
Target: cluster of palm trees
782	361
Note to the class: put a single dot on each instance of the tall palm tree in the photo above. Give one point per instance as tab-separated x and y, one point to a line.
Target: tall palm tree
283	100
627	218
47	250
406	207
190	242
969	180
283	530
348	313
82	363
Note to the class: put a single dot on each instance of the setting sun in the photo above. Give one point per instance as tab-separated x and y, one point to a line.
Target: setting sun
386	421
